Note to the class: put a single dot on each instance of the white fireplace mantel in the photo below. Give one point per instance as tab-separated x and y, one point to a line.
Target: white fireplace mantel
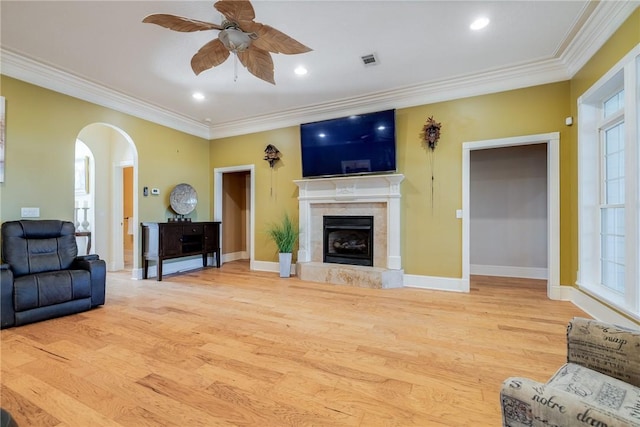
352	189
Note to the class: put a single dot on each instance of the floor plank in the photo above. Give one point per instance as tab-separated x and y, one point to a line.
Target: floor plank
229	347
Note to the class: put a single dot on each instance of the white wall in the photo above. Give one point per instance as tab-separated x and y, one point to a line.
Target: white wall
508	211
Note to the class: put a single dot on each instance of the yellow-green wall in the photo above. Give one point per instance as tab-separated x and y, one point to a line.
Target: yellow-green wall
275	192
624	39
431	234
42	127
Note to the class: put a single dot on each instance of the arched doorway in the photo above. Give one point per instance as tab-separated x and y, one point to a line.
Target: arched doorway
84	212
113	152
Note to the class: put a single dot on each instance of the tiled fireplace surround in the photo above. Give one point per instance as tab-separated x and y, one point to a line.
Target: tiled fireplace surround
374	195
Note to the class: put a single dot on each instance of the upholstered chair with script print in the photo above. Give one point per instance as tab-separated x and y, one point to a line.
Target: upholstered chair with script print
598	386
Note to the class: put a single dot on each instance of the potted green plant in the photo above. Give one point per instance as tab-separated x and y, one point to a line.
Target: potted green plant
284	234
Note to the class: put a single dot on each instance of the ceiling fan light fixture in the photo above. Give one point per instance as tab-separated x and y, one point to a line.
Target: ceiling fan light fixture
237	33
300	70
234	39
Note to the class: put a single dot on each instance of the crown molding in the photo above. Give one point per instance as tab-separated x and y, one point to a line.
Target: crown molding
46	76
599	26
602	21
515	77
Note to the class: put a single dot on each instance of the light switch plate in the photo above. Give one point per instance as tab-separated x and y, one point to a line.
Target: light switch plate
30	212
155	191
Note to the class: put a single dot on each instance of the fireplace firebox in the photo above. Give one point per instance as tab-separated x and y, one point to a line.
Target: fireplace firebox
348	240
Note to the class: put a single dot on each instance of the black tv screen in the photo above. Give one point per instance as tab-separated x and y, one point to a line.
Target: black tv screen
354	145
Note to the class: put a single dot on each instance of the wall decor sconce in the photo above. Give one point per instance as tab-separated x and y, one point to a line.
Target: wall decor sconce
271	154
431	132
430	135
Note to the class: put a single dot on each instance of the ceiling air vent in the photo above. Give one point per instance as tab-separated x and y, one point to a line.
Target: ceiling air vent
369	60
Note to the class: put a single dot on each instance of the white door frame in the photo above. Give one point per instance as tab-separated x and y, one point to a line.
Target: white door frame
111	215
117	218
553	202
217	205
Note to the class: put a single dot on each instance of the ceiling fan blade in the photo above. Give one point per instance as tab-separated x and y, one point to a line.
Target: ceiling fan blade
273	40
259	63
236	10
178	23
211	54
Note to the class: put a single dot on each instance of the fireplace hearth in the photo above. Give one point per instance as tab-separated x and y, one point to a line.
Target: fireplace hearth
366	195
348	240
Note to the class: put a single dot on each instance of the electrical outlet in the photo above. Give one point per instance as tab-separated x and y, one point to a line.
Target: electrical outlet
30	212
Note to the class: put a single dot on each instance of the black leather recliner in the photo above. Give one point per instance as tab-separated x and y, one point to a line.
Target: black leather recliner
42	275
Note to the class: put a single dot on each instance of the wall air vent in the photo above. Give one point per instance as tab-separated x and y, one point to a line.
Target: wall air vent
369	60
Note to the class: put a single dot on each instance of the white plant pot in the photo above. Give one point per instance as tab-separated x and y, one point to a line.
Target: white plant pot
285	264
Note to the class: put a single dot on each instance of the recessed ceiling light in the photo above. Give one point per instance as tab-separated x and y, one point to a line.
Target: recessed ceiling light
300	70
198	96
479	23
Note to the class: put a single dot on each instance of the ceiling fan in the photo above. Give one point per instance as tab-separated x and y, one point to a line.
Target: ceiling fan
239	34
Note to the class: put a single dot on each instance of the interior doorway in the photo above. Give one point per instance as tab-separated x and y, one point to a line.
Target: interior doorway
236	205
234	201
552	141
113	150
508	212
84	187
129	227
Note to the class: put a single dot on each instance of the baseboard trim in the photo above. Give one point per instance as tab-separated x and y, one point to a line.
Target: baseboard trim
435	283
271	266
595	308
509	271
234	256
177	266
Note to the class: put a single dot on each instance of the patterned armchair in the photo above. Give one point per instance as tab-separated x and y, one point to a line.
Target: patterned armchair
598	386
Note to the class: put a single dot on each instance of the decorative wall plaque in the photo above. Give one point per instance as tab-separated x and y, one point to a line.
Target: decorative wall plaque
183	199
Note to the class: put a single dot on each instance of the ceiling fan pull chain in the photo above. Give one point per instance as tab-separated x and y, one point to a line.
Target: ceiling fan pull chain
235	67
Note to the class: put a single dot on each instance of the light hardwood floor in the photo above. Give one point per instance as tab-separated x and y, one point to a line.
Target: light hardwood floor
231	347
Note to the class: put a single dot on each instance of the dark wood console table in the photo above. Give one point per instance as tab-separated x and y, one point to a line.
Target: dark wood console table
167	240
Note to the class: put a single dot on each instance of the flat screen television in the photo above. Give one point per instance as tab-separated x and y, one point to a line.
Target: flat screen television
355	145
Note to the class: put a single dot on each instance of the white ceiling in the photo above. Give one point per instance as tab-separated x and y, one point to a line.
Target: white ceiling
102	52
